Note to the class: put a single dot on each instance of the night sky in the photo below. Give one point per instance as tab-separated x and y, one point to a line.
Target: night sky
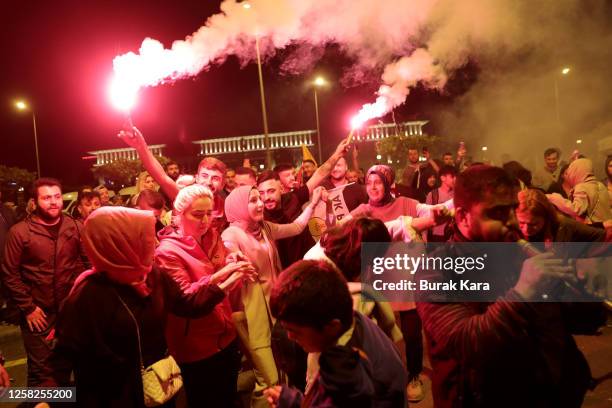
58	56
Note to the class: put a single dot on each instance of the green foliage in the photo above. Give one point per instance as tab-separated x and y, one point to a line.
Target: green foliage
17	175
122	171
396	147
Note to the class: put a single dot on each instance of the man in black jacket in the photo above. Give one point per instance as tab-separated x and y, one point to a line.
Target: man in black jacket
514	351
42	257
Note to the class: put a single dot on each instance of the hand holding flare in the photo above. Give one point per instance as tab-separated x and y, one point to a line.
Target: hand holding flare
131	136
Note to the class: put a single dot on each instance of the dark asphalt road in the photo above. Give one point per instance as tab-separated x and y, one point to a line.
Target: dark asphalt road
597	349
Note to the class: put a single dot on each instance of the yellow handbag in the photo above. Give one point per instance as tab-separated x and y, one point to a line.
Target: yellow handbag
162	379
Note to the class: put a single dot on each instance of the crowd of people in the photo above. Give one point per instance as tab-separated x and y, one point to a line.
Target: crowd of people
222	271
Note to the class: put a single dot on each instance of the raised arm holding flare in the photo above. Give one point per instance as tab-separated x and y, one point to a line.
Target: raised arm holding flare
326	168
134	138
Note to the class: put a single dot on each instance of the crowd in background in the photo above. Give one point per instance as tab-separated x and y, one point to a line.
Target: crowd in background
227	271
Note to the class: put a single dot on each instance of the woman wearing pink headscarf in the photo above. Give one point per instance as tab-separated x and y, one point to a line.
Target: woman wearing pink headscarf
96	332
254	237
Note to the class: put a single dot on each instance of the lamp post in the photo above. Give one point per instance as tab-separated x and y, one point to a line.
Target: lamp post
22	106
564	71
264	113
318	82
247	6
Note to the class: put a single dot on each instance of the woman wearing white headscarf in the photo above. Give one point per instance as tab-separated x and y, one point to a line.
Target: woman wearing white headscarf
255	238
96	332
588	201
205	348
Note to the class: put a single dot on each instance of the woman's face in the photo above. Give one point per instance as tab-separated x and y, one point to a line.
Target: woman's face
196	219
149	183
530	224
562	175
375	188
431	181
255	206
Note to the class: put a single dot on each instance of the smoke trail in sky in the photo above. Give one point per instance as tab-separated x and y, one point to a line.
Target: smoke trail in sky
411	42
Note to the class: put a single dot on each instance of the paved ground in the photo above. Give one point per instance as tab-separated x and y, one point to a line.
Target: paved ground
597	349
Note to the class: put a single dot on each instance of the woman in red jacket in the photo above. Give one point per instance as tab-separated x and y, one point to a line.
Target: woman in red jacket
205	348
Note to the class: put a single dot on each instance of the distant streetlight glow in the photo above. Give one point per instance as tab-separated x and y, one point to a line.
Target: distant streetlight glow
246	5
378	157
318	83
23	106
579	141
564	72
485	148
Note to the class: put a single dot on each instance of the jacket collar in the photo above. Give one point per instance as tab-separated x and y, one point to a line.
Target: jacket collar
66	222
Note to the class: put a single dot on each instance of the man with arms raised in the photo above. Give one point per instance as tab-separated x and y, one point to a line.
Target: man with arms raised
211	173
352	195
284	208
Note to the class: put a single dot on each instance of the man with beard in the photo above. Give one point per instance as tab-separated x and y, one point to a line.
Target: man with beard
353	194
284	207
513	351
308	169
43	256
545	176
173	170
211	173
415	174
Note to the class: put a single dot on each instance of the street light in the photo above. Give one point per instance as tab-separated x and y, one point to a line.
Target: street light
564	71
318	83
247	6
23	106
